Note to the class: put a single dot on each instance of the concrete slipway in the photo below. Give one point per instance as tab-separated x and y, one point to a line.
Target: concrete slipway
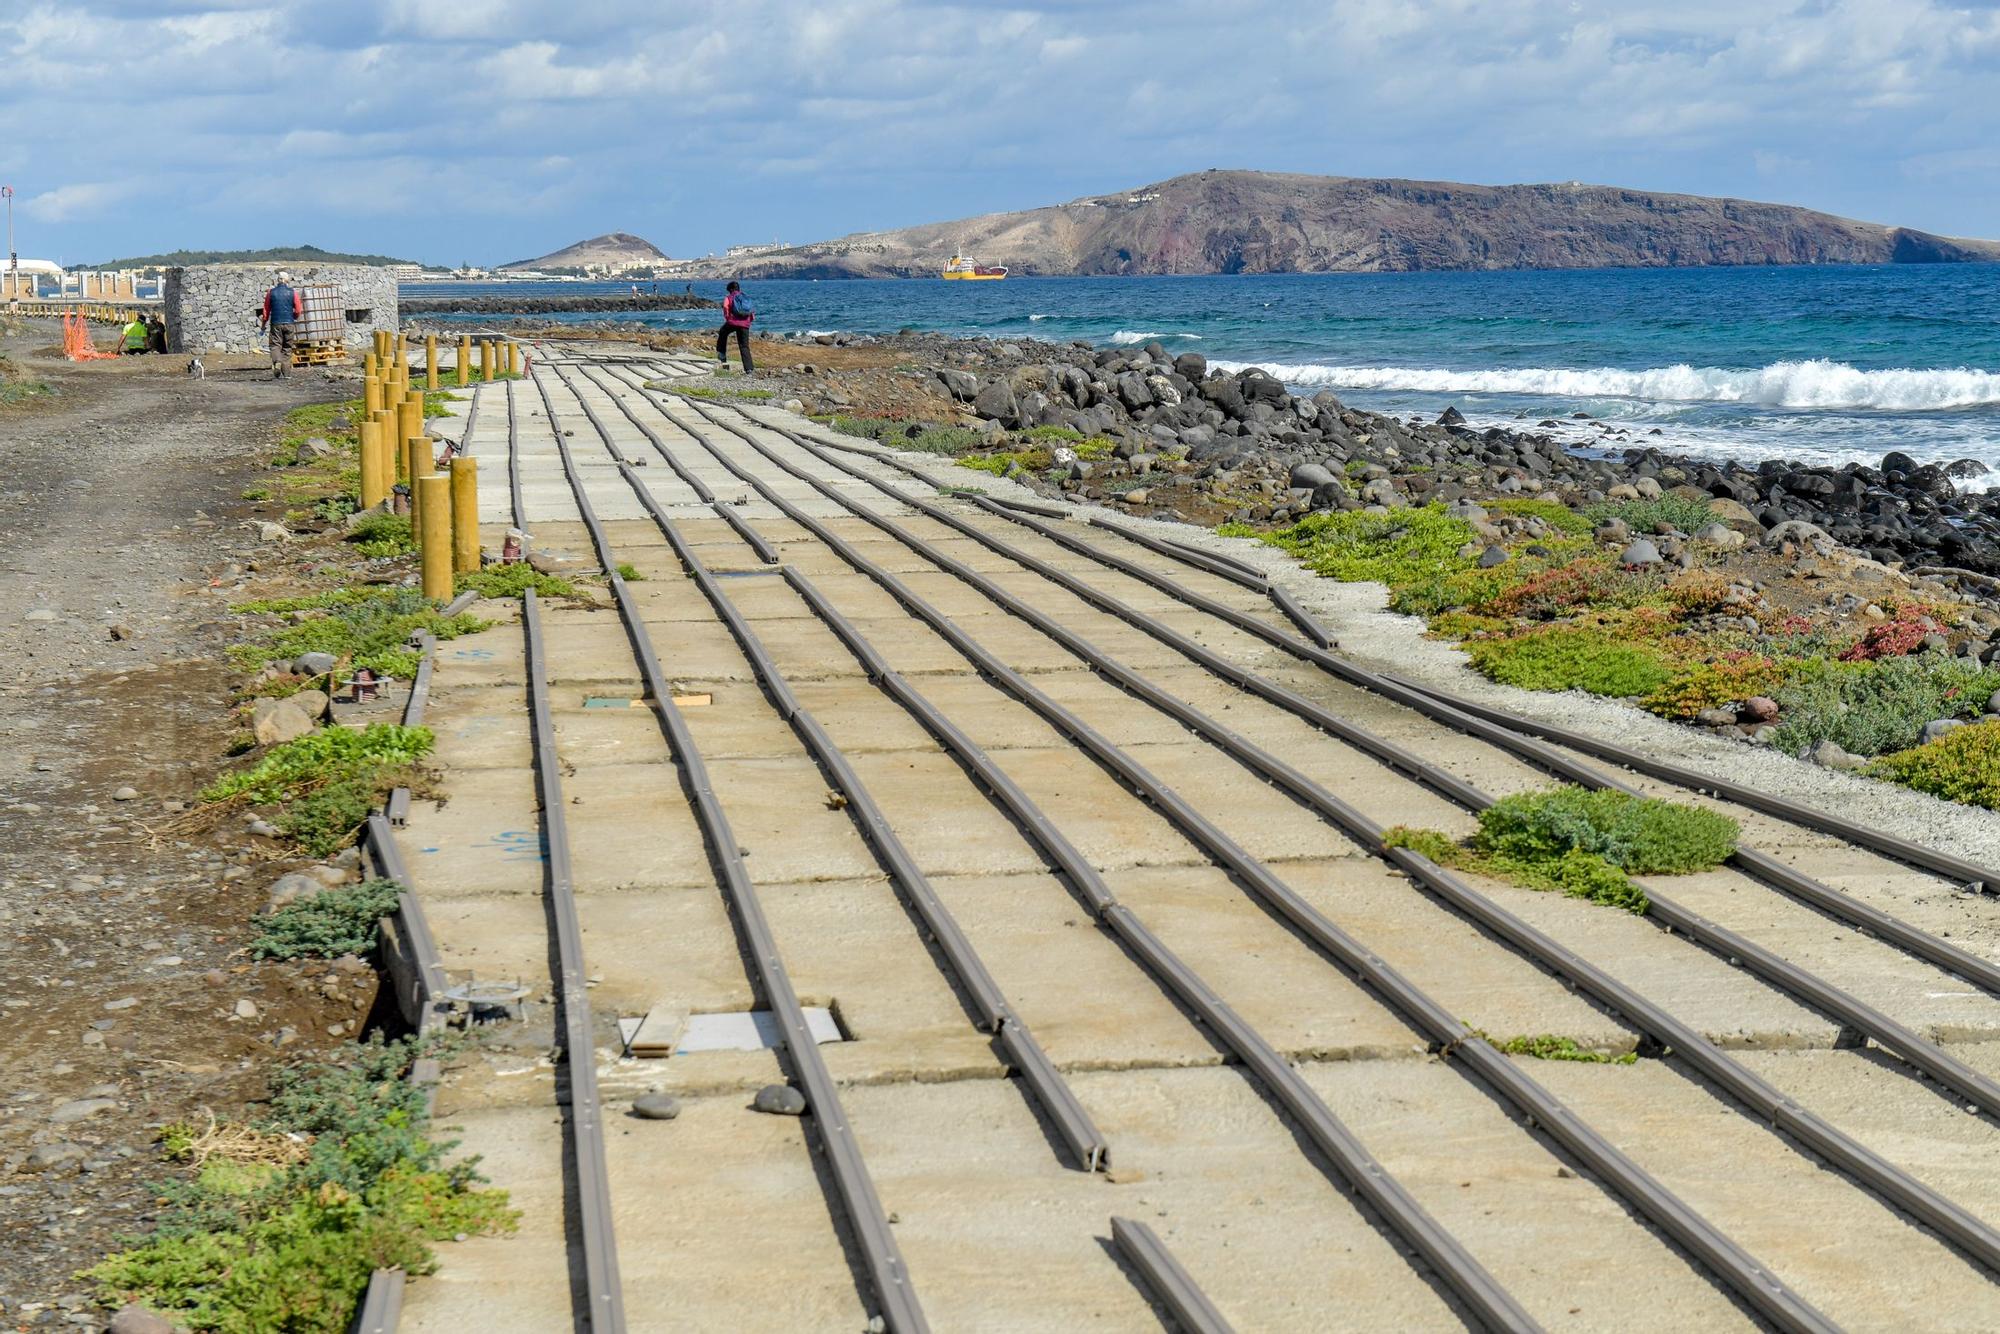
725	1217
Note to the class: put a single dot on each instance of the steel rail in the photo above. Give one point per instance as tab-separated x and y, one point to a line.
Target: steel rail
701	489
995	1014
1951	1220
881	1257
1454	1265
1171	1284
604	1299
514	462
1722	1255
1473	720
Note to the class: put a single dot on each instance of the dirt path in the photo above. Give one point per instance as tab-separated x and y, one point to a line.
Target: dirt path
122	542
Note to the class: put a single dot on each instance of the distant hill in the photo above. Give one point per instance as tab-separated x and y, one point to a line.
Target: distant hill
1268	222
290	254
612	250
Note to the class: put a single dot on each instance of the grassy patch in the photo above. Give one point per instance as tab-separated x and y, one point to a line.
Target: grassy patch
1962	765
1580	843
1394	548
944	440
628	572
511	581
324	784
344	919
1708	685
719	391
381	535
1553	1047
285	1220
1571	658
1036	458
370	628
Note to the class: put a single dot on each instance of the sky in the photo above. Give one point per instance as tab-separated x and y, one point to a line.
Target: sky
453	132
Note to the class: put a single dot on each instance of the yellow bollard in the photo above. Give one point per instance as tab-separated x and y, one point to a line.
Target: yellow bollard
513	357
431	362
488	357
464	514
410	416
385	454
372	489
464	359
410	450
371	394
434	535
385	428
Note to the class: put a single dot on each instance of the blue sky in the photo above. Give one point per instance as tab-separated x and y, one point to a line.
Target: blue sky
487	132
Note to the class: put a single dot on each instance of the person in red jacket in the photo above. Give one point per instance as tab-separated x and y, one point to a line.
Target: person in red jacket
737	314
283	310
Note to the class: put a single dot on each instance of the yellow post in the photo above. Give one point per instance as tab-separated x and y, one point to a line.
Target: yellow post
385	427
464	359
381	345
410	416
372	489
434	534
488	350
464	514
513	357
371	393
431	362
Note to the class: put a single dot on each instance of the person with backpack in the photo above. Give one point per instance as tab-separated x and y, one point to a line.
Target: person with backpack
283	310
737	314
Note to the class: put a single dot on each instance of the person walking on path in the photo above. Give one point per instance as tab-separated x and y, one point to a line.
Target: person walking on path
283	309
737	314
135	335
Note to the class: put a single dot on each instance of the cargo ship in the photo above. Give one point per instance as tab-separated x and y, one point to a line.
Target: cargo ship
963	267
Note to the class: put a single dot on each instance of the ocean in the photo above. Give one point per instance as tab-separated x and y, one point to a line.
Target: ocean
1823	364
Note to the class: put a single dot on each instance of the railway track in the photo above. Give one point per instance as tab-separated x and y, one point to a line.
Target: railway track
1097	816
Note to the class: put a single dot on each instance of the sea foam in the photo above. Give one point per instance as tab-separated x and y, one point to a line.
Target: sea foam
1782	384
1128	337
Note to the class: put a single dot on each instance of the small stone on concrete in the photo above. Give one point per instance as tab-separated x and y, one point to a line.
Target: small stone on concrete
657	1106
780	1100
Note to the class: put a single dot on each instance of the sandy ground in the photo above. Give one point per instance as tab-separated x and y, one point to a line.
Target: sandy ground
122	542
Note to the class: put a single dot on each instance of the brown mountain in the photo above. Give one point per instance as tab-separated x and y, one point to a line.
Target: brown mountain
611	250
1266	222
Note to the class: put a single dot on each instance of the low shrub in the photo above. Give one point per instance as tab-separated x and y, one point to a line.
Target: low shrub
294	767
1571	658
1872	707
1552	1047
252	1246
945	440
372	627
1589	581
1896	638
341	920
1394	548
1578	874
1553	513
1683	513
1962	765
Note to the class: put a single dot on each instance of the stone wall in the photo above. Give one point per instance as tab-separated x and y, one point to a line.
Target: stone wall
213	307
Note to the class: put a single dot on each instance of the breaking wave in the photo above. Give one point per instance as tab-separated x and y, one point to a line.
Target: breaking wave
1782	384
1127	337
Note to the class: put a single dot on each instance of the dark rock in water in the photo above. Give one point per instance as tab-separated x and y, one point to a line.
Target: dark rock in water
1896	461
780	1100
1966	468
1451	417
1192	365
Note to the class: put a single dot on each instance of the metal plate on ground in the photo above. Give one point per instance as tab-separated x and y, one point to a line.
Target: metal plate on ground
750	1030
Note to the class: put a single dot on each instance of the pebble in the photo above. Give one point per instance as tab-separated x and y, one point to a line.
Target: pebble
247	1008
128	792
40	614
49	1157
136	1319
657	1106
780	1100
122	1003
80	1109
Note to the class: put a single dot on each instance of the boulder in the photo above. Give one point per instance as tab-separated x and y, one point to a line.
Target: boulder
961	385
995	402
1310	475
1830	754
1491	557
1720	536
289	889
313	664
276	721
136	1319
1733	512
1941	726
1640	552
1758	709
1191	365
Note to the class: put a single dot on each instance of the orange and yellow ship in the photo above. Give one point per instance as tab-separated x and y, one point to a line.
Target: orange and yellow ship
963	267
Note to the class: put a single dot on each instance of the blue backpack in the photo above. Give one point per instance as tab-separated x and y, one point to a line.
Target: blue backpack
740	306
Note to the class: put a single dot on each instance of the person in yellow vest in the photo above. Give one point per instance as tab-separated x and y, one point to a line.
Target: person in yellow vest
135	336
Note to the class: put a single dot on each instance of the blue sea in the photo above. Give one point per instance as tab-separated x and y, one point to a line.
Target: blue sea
1819	364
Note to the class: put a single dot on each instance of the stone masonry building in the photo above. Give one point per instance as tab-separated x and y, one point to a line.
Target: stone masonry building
214	307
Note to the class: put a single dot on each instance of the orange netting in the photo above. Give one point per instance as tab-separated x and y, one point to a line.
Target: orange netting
76	340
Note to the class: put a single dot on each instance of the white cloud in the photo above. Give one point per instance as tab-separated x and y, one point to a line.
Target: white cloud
67	203
836	115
